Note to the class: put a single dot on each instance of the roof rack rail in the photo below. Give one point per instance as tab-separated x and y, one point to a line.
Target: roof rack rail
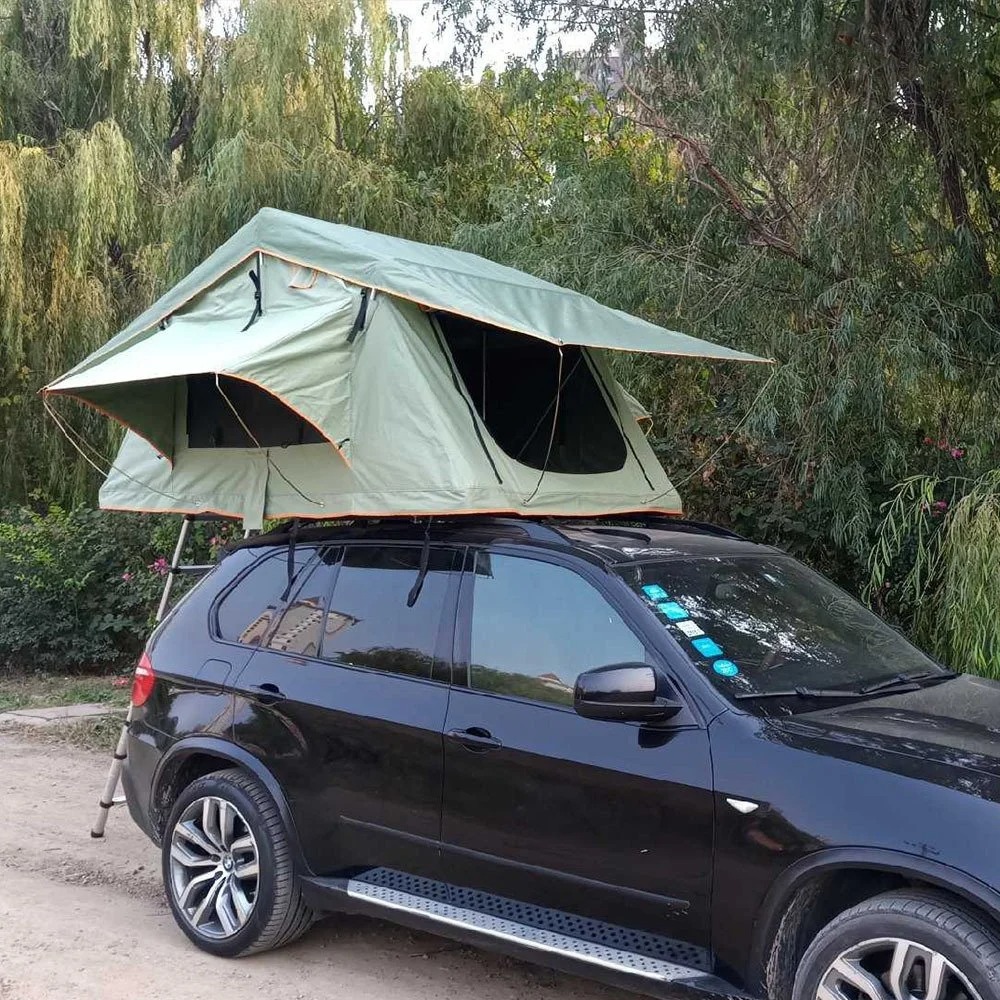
673	523
536	530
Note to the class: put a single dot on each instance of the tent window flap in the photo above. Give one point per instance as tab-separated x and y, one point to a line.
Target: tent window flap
512	382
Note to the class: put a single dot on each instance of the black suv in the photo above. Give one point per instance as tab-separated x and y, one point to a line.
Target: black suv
648	751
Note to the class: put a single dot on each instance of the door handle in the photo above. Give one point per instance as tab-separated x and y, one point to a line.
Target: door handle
475	738
267	694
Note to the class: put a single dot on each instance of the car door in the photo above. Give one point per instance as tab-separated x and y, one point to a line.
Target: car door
603	819
345	703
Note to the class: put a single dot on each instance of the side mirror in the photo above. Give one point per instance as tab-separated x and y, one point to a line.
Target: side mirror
624	691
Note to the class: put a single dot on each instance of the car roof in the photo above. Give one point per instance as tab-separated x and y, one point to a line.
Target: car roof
611	541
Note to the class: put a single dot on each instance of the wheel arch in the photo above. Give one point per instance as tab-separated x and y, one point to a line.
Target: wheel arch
798	882
195	756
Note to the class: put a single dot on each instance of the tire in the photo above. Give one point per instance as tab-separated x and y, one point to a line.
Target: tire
225	833
912	938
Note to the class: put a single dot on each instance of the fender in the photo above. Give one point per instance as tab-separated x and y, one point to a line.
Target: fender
914	866
218	747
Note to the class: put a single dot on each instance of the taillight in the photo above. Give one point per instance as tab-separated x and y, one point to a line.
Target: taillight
142	683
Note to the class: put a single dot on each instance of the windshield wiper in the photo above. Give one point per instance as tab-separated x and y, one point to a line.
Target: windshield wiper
800	692
909	681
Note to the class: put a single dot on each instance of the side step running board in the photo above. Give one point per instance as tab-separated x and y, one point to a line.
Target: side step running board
392	893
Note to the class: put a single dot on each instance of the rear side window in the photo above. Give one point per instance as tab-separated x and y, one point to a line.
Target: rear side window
247	612
536	627
369	623
301	629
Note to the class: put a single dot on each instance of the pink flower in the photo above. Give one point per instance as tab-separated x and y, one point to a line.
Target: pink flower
160	566
120	682
957	452
940	505
215	541
126	576
928	440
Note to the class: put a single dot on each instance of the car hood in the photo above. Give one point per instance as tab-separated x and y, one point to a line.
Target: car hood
955	724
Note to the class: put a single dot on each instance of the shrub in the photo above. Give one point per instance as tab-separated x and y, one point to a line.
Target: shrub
79	588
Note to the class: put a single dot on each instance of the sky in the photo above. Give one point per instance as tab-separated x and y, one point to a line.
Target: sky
427	49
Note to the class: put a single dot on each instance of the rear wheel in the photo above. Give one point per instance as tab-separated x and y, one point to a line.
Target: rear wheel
228	870
904	945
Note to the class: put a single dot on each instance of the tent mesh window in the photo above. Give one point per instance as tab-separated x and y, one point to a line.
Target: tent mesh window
512	380
211	422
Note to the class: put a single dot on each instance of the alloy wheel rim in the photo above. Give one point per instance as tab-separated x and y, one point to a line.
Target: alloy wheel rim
894	969
214	867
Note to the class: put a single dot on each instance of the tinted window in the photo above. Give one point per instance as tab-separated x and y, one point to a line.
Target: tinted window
369	623
300	629
536	627
757	624
512	380
247	612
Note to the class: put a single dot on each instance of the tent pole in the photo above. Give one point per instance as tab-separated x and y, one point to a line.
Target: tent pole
108	798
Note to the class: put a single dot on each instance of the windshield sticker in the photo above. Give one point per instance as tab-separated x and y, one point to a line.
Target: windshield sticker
725	668
655	592
672	610
689	628
707	647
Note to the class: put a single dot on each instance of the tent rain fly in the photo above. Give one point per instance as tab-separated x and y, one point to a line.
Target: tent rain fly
308	369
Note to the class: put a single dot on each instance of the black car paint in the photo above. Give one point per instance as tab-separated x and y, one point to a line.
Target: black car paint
624	822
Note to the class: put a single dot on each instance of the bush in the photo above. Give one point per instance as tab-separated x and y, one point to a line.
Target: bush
79	588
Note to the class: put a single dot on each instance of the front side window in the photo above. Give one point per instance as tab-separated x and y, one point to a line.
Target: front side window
371	622
247	612
537	626
760	624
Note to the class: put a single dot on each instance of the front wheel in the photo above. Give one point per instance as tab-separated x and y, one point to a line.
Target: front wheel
903	945
228	870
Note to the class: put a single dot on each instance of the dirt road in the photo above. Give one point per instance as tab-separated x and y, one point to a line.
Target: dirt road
82	919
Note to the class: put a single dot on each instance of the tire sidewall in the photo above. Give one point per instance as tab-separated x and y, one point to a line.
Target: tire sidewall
871	926
247	935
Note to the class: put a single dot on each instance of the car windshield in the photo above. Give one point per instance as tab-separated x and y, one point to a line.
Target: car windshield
762	625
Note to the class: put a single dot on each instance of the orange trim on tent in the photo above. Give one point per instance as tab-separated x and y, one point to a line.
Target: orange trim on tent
516	511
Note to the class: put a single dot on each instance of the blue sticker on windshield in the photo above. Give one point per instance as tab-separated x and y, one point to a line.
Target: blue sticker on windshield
672	610
654	592
707	647
725	668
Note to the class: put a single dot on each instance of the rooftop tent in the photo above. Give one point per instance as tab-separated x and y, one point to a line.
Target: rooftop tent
309	369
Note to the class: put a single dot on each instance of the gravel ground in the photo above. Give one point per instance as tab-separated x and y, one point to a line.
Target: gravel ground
85	919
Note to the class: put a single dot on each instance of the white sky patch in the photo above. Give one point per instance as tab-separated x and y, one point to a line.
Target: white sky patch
427	49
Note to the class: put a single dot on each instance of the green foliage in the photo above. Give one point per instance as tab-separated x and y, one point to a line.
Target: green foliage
78	588
815	182
936	561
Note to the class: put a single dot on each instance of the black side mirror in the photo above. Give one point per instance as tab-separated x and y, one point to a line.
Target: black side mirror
624	691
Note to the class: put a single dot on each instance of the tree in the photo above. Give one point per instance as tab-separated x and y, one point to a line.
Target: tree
814	182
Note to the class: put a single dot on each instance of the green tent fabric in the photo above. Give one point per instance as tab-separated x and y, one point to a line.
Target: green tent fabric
311	369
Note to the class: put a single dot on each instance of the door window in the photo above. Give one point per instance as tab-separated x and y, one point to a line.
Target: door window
247	612
537	626
370	622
